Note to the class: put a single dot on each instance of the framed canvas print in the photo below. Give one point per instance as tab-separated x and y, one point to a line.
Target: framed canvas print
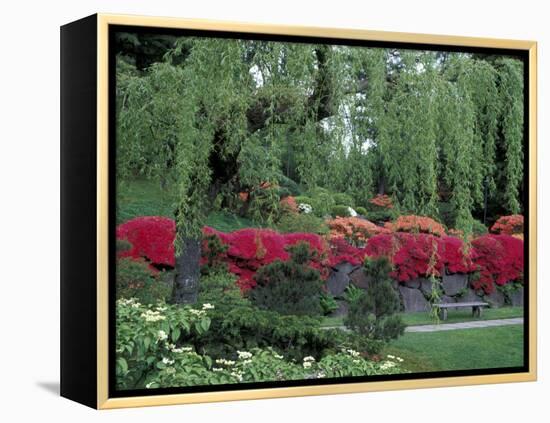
254	211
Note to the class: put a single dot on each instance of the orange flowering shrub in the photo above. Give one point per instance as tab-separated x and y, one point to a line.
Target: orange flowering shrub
509	225
383	201
412	223
288	204
354	229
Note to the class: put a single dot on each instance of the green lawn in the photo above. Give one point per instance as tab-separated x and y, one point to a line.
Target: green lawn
142	197
455	316
464	349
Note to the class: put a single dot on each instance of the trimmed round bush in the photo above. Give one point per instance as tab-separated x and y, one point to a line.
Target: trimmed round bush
361	210
340	211
342	198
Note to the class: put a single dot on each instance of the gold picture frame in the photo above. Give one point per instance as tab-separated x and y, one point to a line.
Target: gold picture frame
102	400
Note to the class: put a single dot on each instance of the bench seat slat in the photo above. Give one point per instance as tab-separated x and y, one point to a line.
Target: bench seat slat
453	305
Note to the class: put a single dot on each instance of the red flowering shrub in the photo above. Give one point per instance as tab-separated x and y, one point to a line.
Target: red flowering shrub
509	225
151	238
420	255
342	251
250	249
499	259
415	224
383	201
456	256
353	229
289	205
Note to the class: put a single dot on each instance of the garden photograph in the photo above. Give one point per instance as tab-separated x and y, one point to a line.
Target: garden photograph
302	210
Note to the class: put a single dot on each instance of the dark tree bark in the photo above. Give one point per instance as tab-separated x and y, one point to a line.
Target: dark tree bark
186	281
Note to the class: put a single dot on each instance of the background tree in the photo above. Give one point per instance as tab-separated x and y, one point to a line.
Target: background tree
210	118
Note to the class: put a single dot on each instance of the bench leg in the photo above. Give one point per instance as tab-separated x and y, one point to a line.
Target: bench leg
443	314
476	311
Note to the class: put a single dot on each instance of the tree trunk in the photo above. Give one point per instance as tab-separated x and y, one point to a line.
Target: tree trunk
186	281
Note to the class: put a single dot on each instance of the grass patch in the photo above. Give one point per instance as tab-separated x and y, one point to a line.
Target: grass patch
142	197
226	222
455	316
482	348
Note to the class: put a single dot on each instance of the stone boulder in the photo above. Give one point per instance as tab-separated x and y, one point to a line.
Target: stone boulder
413	299
454	283
337	283
359	279
496	299
426	286
414	283
468	297
516	297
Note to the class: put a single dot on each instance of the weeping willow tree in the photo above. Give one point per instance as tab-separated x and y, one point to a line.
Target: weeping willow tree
215	117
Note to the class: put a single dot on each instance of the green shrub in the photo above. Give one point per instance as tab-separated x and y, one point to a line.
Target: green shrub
147	334
246	327
220	287
283	192
342	198
213	250
321	201
340	211
303	222
478	228
134	279
158	346
373	314
361	210
303	199
289	185
380	215
328	303
352	293
289	287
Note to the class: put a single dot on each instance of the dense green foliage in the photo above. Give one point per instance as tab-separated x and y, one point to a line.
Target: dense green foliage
423	126
373	314
289	287
134	279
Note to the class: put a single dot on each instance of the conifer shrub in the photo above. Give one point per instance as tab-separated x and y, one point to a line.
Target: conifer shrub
289	287
373	314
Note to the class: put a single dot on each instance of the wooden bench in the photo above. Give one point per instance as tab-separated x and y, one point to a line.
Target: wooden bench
477	306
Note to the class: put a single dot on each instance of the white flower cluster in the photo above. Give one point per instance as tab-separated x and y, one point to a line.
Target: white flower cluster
217	369
152	316
280	357
161	335
149	385
197	313
392	357
128	302
160	308
243	355
305	208
224	361
386	365
167	361
308	361
238	375
352	212
353	353
181	350
207	306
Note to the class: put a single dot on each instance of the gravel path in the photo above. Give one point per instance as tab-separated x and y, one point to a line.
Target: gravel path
454	326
